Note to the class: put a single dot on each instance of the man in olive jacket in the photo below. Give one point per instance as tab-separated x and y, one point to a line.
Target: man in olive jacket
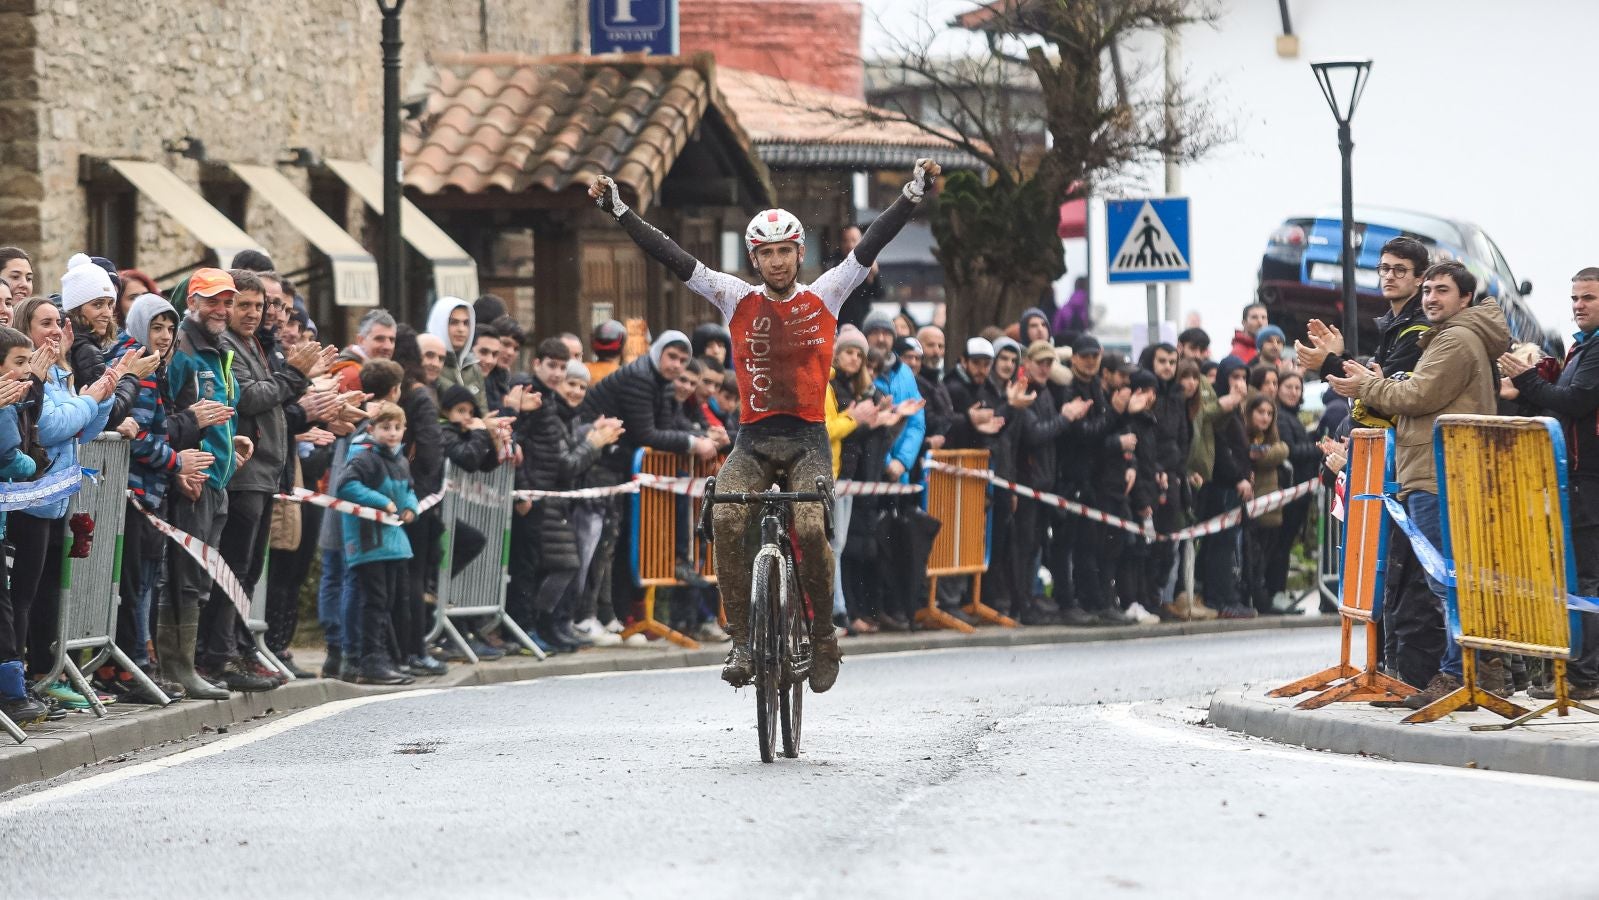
1455	374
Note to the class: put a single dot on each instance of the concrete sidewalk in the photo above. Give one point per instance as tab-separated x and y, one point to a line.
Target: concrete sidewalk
82	740
1562	747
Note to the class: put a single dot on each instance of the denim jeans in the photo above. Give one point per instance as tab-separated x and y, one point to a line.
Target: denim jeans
1423	510
338	605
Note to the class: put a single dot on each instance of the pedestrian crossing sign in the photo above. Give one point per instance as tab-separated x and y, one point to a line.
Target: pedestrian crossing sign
1147	240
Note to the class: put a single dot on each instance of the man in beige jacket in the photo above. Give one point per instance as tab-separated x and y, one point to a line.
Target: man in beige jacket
1454	375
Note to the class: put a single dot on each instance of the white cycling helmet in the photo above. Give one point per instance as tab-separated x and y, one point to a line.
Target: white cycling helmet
773	226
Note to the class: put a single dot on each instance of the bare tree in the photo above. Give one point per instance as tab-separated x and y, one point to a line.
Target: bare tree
997	239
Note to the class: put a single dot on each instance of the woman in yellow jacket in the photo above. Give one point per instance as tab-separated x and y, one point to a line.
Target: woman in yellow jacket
849	375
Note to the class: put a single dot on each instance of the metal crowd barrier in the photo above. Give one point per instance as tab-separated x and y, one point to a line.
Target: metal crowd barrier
961	545
255	618
653	549
1365	531
481	502
89	585
1502	502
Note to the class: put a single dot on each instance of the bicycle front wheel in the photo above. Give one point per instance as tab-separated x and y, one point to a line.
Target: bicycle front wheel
765	607
796	662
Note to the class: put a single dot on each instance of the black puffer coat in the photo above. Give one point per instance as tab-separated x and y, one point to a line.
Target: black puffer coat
638	395
553	459
424	440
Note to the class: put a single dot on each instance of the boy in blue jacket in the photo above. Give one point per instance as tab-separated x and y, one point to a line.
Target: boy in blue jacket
378	475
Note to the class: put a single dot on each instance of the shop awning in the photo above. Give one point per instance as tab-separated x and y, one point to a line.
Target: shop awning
355	273
454	271
184	204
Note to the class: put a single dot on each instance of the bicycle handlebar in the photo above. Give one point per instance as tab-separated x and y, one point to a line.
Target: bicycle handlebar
769	496
820	495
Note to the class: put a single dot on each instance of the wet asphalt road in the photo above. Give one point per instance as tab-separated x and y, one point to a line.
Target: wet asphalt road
1062	771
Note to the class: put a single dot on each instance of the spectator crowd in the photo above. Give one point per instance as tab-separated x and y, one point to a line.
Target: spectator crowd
227	400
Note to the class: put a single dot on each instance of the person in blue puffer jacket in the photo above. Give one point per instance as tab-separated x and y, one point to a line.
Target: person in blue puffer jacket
15	465
378	475
66	418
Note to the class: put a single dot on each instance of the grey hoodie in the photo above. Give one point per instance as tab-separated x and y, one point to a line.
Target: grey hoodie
143	311
666	339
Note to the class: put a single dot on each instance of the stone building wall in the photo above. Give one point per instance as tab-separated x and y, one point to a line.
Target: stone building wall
111	78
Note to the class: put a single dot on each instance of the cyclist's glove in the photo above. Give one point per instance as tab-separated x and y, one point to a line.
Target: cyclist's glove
611	198
917	187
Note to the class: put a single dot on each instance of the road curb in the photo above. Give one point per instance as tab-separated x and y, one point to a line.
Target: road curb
1529	751
81	740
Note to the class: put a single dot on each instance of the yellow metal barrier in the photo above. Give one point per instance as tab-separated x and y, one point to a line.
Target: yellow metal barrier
1360	584
961	546
1502	499
655	542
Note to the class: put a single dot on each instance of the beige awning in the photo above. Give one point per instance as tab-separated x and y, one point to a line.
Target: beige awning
454	271
355	272
185	205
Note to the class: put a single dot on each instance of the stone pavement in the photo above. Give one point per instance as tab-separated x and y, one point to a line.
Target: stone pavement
1562	747
130	730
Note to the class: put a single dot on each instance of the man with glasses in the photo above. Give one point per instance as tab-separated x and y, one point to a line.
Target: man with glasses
1404	260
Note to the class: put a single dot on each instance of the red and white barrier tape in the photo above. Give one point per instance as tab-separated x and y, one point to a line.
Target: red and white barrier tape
695	487
1255	508
370	513
209	558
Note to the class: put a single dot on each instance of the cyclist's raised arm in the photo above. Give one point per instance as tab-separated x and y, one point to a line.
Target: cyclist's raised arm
898	213
663	249
836	284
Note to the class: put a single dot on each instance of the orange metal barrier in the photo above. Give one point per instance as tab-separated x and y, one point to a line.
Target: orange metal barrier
654	544
961	547
1361	585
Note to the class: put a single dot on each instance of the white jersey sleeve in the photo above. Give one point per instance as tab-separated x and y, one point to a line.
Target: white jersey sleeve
722	289
837	283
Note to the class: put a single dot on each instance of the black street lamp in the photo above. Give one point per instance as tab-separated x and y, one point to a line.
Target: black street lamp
391	277
1342	83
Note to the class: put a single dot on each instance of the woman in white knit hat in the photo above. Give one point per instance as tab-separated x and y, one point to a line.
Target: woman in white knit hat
89	300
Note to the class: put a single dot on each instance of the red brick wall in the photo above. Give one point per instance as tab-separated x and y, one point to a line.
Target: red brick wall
808	41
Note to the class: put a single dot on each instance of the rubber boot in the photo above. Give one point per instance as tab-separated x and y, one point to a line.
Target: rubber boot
175	649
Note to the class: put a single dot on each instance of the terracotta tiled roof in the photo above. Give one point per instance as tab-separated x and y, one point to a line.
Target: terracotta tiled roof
517	124
992	15
795	124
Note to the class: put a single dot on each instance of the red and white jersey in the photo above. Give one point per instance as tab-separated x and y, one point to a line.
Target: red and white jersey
782	349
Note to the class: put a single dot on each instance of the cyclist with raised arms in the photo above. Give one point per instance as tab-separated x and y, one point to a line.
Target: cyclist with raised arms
783	334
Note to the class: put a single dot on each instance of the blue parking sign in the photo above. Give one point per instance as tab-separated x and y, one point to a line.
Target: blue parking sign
633	26
1147	240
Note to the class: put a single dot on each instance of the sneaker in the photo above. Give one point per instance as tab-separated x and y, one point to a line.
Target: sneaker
1493	676
63	695
380	671
1142	616
825	659
613	627
739	670
425	666
24	710
636	640
255	665
589	627
685	573
237	675
1078	618
484	651
1111	616
711	633
1441	686
606	639
891	622
1573	692
1200	610
1237	612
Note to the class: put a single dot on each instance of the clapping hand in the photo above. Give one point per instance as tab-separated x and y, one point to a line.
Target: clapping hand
210	412
1020	394
12	391
192	461
41	359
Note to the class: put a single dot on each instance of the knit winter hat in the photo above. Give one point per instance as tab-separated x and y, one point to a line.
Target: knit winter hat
877	322
1270	331
84	282
850	336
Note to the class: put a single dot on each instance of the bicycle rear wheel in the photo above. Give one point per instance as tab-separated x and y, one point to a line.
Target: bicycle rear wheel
796	646
765	605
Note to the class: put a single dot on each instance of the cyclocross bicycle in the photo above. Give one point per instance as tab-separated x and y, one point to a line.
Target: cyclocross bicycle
780	613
